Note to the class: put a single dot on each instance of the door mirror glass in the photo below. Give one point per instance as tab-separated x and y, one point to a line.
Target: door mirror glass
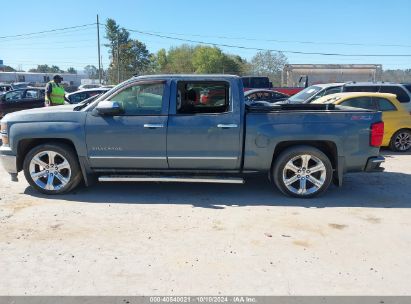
108	107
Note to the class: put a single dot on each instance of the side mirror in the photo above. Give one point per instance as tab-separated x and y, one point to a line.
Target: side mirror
107	107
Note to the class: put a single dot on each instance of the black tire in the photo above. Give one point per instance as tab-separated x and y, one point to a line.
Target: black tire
325	175
68	153
395	138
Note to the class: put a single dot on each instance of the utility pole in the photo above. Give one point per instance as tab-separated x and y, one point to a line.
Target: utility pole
118	59
102	70
98	50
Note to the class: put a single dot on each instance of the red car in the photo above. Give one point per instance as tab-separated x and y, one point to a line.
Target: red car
21	99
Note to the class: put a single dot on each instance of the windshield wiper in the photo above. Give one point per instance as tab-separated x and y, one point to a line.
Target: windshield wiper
86	102
80	106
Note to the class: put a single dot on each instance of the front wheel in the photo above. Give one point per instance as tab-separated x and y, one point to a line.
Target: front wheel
52	168
302	171
401	141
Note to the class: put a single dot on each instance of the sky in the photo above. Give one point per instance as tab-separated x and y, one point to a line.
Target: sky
316	26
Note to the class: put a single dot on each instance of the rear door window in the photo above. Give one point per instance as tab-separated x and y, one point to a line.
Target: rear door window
14	96
246	82
402	95
251	96
78	97
373	89
360	102
265	96
259	82
277	95
202	97
31	94
332	91
384	105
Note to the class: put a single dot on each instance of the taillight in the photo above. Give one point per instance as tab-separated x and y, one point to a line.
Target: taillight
4	135
377	133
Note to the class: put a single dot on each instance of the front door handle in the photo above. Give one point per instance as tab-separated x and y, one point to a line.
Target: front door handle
153	126
227	126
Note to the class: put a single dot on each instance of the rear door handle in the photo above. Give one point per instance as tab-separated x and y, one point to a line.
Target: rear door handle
153	126
227	126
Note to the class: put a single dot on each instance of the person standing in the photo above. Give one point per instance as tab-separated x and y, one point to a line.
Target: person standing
55	94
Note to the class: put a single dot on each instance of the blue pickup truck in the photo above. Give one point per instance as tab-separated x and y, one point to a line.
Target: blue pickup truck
189	128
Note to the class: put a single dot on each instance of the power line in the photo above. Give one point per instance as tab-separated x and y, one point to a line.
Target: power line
281	41
39	37
273	50
64	42
155	34
84	46
48	31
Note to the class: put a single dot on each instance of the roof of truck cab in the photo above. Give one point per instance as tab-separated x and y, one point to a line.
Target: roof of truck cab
368	84
328	85
99	89
338	97
187	76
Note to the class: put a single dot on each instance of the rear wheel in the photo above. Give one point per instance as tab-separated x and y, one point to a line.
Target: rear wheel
302	171
401	141
52	168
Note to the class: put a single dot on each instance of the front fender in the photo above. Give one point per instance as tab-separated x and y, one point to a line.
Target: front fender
72	131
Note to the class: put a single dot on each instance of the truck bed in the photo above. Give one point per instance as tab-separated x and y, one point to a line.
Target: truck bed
346	129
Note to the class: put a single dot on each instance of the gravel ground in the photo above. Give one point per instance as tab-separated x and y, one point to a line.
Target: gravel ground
191	239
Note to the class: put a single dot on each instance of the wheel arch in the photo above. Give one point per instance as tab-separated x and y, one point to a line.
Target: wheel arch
25	145
329	148
291	152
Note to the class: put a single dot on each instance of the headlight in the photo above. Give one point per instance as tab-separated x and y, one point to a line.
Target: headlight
4	134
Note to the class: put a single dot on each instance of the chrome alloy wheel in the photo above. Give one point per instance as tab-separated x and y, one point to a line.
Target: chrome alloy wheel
304	174
403	141
50	170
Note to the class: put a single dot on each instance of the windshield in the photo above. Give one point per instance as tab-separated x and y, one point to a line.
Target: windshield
256	82
20	86
305	94
90	99
96	98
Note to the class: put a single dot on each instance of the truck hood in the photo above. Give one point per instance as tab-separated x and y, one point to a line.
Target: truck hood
45	113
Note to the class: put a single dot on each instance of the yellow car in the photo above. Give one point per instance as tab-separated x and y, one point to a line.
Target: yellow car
397	120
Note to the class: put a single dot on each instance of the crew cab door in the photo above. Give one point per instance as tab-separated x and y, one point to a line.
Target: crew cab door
204	126
135	139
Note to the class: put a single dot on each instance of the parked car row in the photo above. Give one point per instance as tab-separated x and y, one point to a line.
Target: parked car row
392	99
397	120
29	98
308	95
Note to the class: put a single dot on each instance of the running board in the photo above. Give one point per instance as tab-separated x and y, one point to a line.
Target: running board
170	179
